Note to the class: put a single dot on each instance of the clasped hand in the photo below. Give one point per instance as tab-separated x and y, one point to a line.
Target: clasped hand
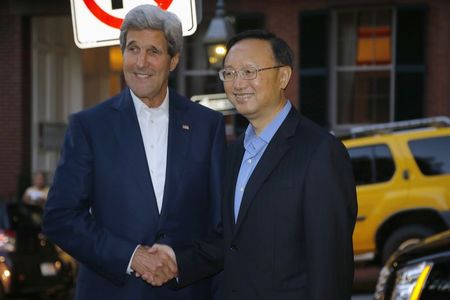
156	265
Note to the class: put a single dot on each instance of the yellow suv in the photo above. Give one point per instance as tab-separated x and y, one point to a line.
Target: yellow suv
402	172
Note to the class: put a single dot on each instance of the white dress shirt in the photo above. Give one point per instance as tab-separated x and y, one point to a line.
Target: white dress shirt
154	125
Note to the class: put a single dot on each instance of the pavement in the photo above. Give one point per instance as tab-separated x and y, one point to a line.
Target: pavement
366	276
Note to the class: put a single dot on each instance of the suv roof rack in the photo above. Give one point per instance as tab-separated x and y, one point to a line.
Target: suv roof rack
439	121
218	102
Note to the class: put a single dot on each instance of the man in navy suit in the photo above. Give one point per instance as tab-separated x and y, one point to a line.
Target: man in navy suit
142	167
289	205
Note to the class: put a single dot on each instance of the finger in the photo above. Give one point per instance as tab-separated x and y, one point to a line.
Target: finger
164	273
165	255
147	277
172	266
168	263
154	249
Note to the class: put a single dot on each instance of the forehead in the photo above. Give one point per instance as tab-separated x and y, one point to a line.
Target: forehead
146	37
250	52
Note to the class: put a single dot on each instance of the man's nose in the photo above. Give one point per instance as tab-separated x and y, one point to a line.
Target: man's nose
141	60
239	83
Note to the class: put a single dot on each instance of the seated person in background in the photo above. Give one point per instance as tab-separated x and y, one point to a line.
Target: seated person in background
37	193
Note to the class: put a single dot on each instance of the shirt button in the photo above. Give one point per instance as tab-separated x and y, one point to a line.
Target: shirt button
250	161
241	189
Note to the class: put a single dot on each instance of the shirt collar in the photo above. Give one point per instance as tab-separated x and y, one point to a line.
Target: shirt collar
141	107
253	143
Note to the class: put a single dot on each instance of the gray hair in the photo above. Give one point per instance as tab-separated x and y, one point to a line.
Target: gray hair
152	17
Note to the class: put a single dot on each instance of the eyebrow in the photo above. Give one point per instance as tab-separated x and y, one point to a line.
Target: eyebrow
131	42
151	47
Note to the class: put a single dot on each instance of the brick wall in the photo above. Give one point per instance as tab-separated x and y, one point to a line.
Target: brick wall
14	96
438	59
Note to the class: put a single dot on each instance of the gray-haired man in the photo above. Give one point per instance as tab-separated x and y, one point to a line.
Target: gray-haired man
142	167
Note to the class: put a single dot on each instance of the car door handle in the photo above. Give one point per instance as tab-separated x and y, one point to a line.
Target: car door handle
360	218
406	174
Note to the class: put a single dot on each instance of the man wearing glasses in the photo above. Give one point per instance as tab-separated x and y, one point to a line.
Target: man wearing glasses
289	206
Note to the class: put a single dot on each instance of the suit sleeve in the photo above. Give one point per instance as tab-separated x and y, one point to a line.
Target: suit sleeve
199	260
216	176
204	258
67	218
330	210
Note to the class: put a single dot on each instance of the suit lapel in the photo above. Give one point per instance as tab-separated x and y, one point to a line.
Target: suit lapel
235	162
126	128
178	142
276	149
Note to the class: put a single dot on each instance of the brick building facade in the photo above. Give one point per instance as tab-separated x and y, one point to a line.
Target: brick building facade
14	101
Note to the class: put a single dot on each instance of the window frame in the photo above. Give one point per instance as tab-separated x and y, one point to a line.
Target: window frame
335	69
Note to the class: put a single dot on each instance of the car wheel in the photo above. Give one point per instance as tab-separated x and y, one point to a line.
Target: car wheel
404	237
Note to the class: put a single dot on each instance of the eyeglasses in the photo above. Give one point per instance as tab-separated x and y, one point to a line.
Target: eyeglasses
247	73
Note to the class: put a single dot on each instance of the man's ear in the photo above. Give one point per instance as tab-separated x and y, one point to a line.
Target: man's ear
285	76
174	61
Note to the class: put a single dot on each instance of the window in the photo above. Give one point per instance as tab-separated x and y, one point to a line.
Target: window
373	164
432	155
363	69
362	65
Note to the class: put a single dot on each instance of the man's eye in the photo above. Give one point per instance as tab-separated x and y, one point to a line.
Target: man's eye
155	51
248	72
132	49
228	73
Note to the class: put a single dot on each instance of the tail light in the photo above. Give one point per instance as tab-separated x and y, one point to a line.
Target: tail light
7	240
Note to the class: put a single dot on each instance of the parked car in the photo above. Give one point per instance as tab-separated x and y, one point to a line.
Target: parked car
29	263
419	272
402	172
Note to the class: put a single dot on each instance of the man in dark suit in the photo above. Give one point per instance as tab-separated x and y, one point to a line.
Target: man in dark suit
142	167
289	204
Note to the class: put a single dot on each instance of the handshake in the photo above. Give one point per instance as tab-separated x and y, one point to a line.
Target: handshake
156	265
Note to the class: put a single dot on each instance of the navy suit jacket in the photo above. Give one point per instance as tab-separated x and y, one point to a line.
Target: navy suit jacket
102	204
293	235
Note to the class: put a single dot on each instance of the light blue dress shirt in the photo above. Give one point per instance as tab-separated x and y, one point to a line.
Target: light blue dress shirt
254	149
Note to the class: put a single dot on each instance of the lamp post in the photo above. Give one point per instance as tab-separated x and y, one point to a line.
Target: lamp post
218	33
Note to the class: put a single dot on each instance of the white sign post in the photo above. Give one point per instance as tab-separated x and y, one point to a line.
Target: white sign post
96	23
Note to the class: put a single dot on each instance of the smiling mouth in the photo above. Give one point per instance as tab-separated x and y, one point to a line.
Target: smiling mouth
242	97
142	76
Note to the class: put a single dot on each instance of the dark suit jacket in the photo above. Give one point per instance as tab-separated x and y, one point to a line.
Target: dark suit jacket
293	236
102	203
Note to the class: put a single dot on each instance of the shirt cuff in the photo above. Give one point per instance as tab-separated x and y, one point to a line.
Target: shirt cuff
129	269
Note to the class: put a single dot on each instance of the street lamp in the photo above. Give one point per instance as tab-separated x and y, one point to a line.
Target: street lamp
218	33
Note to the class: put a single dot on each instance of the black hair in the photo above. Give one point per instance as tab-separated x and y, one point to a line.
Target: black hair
281	51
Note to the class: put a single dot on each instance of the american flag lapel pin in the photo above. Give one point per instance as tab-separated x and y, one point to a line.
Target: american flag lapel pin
185	126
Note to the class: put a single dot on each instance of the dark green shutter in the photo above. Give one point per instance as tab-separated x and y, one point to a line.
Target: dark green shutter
313	72
410	63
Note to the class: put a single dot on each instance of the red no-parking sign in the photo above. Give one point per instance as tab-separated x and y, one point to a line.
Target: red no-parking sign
96	23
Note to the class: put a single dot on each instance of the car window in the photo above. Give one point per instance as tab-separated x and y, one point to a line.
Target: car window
432	155
372	164
384	164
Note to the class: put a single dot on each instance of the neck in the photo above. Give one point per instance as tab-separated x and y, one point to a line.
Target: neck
157	100
260	123
152	103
